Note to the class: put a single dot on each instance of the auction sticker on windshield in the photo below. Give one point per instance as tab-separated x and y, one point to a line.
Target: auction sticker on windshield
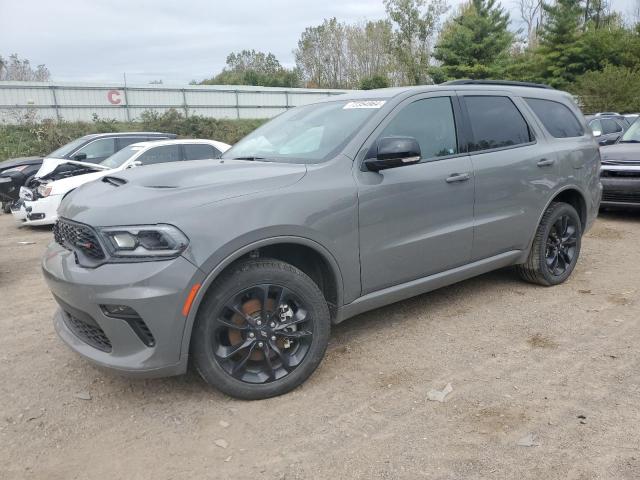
364	104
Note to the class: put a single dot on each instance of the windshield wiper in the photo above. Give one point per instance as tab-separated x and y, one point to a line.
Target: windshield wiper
253	159
629	141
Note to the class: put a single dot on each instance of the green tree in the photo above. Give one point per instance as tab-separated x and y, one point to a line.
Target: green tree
612	45
250	67
320	55
339	55
612	88
560	54
376	81
415	24
475	43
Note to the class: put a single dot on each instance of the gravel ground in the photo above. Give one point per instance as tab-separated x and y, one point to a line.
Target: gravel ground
546	385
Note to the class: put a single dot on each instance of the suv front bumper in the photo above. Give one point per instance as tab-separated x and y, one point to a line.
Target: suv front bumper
155	290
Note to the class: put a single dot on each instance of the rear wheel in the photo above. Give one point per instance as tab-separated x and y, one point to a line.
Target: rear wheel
555	248
262	330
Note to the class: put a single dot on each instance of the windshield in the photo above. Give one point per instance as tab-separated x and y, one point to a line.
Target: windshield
309	134
66	149
633	134
119	158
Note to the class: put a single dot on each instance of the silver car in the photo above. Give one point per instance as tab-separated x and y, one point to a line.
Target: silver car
242	264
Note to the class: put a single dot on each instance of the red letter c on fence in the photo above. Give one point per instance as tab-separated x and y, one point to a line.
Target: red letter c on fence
114	97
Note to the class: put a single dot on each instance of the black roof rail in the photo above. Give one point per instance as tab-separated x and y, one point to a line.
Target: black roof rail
506	83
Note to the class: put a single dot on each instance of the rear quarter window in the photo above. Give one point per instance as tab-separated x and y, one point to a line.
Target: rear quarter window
557	118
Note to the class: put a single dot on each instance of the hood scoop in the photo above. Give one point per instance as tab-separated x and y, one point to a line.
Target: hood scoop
115	181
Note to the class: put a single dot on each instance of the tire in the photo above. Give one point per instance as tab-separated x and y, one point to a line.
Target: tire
6	207
539	267
291	345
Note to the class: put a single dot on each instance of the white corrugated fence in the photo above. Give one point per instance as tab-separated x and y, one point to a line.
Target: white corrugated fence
81	101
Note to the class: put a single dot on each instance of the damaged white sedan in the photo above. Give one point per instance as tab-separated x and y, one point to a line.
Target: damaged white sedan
39	200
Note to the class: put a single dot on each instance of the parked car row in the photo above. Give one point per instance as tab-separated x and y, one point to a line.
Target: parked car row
41	192
620	171
608	127
18	172
619	137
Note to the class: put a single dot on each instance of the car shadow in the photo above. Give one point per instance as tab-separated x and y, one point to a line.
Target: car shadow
192	388
427	303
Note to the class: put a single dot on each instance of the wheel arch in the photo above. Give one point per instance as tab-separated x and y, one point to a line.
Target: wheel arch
570	194
290	249
576	199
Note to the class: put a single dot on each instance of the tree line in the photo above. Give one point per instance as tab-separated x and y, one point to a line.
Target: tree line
17	69
582	46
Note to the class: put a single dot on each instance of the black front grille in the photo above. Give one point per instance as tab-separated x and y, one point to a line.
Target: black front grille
621	197
87	332
77	237
620	173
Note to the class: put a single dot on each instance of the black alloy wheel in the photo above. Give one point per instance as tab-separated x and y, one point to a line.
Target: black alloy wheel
263	334
556	246
562	244
261	331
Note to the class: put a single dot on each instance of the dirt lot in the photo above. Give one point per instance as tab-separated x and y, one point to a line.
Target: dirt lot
561	364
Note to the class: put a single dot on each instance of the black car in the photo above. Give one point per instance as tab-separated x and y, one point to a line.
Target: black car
608	127
620	171
94	148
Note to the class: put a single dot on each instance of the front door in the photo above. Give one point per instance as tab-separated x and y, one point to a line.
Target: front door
416	220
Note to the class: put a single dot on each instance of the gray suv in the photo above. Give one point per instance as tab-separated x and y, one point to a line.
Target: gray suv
242	264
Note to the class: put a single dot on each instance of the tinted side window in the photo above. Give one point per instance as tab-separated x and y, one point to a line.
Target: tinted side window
98	149
126	141
559	121
610	126
495	123
430	121
167	153
199	151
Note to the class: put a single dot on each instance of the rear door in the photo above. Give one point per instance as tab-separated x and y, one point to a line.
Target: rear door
515	171
199	151
161	154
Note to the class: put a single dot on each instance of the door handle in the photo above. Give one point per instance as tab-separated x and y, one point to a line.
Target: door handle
546	162
458	177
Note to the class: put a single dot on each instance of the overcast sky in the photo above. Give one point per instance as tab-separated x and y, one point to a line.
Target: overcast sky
172	40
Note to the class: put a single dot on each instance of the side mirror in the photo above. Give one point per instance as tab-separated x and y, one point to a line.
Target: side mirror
80	156
597	133
136	163
394	152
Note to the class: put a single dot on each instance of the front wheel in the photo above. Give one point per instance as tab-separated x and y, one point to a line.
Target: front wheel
262	330
555	248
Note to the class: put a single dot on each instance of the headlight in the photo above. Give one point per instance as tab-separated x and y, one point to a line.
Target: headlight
144	241
44	190
26	194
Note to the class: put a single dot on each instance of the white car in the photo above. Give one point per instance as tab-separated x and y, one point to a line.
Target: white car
39	203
